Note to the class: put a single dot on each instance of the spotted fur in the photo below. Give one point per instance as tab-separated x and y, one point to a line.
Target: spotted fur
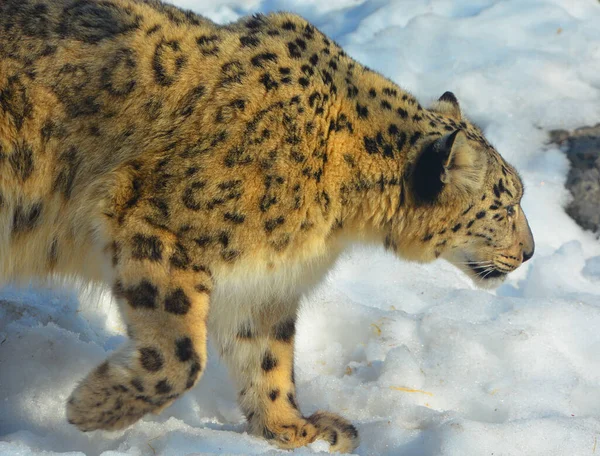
187	164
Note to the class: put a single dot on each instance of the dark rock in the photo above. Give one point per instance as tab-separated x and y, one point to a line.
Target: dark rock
582	147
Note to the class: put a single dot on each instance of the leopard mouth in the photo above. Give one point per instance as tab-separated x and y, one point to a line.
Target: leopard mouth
487	272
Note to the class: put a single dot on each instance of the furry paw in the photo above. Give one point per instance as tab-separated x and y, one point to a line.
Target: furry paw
338	431
130	384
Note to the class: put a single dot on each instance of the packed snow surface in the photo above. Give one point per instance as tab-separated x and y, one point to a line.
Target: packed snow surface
421	361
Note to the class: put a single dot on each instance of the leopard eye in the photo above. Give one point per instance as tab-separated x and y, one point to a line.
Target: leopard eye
510	211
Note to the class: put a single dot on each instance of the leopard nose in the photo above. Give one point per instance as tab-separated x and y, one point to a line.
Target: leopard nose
527	255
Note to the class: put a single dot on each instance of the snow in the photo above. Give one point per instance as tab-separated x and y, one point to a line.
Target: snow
421	361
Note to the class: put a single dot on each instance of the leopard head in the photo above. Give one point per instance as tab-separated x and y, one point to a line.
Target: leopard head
465	202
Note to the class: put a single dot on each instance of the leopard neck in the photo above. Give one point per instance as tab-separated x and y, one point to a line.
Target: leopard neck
376	132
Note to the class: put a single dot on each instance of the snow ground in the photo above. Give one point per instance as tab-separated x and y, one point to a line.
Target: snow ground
419	360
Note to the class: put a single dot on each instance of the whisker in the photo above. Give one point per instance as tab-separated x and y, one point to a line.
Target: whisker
477	263
488	273
485	271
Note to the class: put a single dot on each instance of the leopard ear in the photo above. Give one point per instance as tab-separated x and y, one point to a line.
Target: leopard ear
465	166
448	105
448	162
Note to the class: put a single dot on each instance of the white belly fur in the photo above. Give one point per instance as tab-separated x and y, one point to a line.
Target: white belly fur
247	291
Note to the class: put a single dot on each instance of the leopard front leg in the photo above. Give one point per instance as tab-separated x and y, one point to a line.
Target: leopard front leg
165	309
261	359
